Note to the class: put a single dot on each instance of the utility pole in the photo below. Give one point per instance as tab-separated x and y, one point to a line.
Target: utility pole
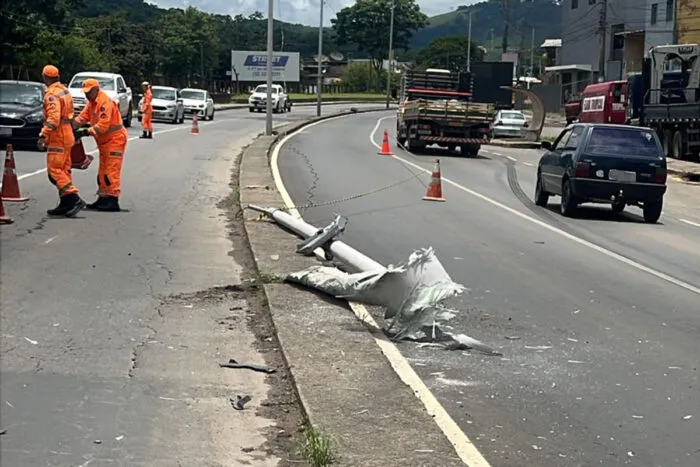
492	49
389	67
319	57
201	61
270	45
469	43
603	29
532	55
506	23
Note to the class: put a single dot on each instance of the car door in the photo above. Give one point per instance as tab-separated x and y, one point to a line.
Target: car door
548	166
567	154
122	97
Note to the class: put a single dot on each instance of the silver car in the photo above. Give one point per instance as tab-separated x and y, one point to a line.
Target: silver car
167	105
509	123
198	101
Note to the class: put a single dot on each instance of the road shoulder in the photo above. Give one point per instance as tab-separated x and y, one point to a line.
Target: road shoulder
346	386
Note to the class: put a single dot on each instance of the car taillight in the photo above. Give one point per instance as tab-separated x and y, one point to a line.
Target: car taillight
582	169
660	176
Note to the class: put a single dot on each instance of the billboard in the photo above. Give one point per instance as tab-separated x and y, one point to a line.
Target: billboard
252	66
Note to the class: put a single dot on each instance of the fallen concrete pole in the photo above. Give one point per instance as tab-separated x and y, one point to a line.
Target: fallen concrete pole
342	251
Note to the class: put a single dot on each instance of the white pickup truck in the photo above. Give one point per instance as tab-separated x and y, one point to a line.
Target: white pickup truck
112	84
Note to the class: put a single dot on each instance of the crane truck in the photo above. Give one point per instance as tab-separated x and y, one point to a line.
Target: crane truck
436	107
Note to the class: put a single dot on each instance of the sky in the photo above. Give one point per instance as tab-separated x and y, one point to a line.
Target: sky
298	11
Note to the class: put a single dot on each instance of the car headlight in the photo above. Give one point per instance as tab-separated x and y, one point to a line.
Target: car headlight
201	106
171	105
34	117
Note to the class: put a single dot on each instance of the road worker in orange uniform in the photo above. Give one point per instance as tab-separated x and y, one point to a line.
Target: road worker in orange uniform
57	138
101	119
147	110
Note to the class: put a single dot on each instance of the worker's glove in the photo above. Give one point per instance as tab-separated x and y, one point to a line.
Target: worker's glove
81	132
41	143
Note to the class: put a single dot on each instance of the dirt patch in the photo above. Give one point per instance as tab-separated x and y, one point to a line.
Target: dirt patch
282	403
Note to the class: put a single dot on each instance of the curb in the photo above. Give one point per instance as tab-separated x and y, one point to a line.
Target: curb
691	174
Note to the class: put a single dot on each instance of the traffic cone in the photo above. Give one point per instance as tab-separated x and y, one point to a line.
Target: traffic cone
195	125
3	218
386	149
10	184
435	187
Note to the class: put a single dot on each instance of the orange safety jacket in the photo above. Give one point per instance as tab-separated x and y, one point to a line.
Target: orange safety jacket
58	112
103	117
147	106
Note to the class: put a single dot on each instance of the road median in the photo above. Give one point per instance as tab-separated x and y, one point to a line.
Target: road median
346	386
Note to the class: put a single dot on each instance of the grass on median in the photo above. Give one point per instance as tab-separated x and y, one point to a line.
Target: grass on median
316	447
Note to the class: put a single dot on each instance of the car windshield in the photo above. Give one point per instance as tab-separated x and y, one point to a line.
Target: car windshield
106	84
513	116
263	90
623	141
196	95
165	94
28	94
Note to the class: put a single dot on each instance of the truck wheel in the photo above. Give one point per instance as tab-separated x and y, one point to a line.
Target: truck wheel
652	211
129	117
677	146
666	142
451	147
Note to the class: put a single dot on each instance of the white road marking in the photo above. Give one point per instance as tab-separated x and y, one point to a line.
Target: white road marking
466	450
511	158
694	224
528	164
609	253
496	153
50	239
94	151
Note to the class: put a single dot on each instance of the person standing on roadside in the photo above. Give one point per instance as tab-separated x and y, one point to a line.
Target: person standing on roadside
101	119
57	138
147	111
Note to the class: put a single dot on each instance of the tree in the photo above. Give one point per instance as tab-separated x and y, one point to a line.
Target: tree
449	52
366	24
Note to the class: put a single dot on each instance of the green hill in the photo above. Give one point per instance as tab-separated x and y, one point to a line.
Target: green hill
488	21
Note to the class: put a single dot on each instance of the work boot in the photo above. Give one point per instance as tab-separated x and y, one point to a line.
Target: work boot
144	135
110	204
76	204
62	208
150	135
96	205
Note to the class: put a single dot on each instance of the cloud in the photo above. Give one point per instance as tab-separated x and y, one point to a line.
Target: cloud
296	11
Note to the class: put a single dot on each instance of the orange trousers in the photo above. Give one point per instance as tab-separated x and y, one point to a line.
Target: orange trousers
147	121
58	161
109	174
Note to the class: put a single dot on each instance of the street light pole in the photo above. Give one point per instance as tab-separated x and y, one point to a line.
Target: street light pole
469	44
389	67
270	45
319	78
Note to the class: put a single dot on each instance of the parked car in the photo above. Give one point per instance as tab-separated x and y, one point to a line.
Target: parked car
111	83
509	123
198	101
167	105
21	112
258	99
619	165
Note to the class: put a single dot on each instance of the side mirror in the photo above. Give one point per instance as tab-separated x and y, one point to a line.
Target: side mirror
121	90
526	124
546	145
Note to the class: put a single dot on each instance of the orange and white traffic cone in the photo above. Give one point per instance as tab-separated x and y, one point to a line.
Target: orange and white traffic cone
386	149
435	187
10	183
195	125
3	218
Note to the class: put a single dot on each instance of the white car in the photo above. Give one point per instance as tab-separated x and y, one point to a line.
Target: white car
112	84
258	99
198	101
509	123
167	105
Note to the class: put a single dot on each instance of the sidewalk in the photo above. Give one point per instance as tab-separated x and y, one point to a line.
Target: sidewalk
684	169
347	387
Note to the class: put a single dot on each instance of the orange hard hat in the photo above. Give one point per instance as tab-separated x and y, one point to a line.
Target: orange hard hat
89	84
50	71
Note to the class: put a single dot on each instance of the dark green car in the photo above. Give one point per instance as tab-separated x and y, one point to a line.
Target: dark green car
619	165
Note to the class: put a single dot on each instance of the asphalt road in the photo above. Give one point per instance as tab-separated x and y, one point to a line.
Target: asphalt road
100	364
597	317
